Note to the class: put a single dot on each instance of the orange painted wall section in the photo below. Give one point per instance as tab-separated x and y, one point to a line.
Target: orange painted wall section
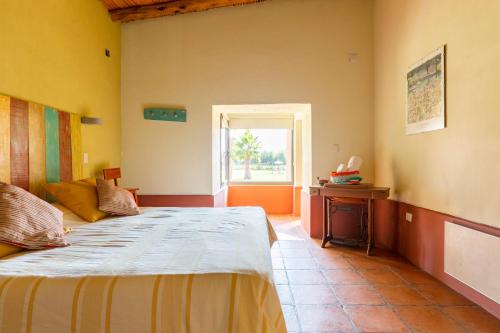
297	190
275	199
312	214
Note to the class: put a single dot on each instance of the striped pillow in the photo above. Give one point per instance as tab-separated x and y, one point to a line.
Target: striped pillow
27	221
115	200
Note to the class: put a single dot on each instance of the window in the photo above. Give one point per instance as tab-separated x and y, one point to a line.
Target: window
261	155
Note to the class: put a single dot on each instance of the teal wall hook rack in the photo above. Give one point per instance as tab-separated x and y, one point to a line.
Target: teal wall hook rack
165	114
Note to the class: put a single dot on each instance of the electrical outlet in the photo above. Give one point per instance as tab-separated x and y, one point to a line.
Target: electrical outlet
85	158
409	217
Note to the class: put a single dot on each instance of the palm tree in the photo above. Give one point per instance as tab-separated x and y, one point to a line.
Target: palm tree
246	148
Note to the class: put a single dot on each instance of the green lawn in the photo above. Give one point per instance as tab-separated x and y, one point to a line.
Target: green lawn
259	175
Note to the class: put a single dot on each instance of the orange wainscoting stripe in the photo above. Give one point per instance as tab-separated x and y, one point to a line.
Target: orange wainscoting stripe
297	200
184	200
152	200
422	243
275	199
312	214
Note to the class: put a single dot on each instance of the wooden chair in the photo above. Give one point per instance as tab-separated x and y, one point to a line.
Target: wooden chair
115	174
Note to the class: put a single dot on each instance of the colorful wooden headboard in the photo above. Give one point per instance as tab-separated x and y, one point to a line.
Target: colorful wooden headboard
38	144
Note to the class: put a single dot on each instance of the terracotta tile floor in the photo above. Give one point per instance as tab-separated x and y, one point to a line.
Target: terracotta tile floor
341	290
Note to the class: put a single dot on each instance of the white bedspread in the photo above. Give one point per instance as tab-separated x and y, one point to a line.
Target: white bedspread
168	270
159	241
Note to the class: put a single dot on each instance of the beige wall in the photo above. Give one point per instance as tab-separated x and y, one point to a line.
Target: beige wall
455	170
280	51
52	52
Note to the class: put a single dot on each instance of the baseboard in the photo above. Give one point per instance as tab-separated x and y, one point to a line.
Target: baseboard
148	200
218	199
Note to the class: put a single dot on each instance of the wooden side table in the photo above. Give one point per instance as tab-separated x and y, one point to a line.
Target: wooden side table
368	193
334	205
134	193
115	174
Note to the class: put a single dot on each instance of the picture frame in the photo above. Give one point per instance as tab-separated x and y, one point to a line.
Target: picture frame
425	94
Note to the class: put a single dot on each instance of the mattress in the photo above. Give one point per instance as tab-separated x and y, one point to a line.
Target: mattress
166	270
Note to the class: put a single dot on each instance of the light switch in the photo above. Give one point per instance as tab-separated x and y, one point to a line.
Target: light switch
409	217
85	158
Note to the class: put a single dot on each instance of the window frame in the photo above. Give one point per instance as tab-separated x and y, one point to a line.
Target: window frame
260	182
225	159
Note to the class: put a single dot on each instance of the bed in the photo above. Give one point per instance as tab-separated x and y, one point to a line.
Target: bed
166	270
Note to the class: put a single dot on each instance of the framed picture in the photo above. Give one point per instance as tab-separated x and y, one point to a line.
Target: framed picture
425	94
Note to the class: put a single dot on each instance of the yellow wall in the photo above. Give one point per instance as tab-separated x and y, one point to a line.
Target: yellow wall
52	52
280	51
455	170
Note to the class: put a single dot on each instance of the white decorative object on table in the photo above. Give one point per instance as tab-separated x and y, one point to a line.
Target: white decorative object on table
354	164
349	174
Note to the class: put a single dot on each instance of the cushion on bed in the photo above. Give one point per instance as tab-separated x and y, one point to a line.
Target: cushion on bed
78	196
62	208
115	200
27	221
70	219
91	181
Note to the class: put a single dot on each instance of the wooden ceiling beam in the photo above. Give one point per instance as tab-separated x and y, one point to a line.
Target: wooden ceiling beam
169	8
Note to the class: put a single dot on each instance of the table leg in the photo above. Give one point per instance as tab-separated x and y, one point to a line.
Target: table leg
327	236
371	226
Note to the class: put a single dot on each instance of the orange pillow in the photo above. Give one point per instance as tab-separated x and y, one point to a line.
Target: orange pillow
7	249
115	200
27	221
91	181
78	196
